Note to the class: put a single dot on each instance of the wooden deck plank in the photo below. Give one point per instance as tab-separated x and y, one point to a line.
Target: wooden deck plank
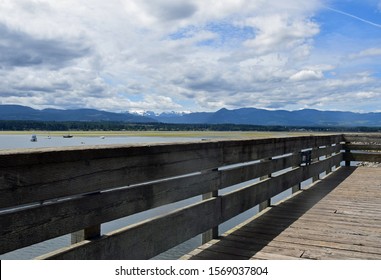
338	217
354	245
343	232
306	244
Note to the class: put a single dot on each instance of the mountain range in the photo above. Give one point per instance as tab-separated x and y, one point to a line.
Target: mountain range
253	116
250	116
17	112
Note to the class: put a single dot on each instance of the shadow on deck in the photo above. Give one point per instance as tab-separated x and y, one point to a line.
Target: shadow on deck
337	218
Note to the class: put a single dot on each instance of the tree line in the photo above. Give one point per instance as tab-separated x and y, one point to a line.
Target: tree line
23	125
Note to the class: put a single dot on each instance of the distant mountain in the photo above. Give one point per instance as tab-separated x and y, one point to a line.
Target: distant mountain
190	118
16	112
253	116
250	116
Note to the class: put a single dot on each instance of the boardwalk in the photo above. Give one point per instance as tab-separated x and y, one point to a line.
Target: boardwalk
337	218
48	193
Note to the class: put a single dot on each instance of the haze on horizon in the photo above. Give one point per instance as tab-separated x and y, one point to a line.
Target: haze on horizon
191	55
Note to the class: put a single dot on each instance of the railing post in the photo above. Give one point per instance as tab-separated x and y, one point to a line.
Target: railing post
315	177
264	204
329	169
213	232
297	187
337	165
347	151
87	233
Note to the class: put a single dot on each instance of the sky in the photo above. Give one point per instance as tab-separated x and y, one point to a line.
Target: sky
191	55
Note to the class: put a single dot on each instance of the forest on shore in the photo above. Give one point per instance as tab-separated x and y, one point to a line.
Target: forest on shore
23	125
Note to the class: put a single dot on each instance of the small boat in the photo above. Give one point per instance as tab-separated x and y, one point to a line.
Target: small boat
33	138
67	136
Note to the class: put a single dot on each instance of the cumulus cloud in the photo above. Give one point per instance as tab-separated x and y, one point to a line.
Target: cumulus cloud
278	32
168	55
306	75
170	10
18	49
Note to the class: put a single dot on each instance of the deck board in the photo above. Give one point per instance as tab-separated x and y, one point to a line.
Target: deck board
339	217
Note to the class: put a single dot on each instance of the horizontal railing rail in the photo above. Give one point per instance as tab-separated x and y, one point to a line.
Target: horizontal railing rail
362	148
46	193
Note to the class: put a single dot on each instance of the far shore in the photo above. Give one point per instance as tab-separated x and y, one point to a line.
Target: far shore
186	134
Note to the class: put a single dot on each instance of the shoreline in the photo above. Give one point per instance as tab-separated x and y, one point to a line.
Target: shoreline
185	134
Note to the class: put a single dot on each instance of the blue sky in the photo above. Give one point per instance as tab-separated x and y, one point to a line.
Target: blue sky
191	55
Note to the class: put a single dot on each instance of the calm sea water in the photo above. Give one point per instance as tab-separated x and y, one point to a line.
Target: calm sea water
23	141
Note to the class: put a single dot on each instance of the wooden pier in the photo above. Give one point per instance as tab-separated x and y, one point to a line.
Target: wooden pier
47	193
339	217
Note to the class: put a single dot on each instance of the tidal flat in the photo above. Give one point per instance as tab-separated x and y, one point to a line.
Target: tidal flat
171	134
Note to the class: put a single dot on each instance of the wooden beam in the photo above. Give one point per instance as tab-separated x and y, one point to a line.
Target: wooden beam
266	203
247	197
50	180
360	147
53	185
245	173
147	239
86	234
32	176
29	226
371	157
363	138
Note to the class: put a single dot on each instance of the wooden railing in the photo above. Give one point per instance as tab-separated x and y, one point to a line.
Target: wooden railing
46	193
362	148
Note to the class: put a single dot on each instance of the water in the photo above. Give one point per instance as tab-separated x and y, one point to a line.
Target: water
23	141
44	141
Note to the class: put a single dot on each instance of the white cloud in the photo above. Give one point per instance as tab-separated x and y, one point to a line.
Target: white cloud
306	75
278	32
366	53
167	55
368	94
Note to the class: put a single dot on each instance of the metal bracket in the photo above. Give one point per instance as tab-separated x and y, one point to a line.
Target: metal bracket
306	157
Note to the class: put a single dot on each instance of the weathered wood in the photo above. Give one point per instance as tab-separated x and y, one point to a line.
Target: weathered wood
372	157
38	175
286	245
213	232
363	138
85	234
29	226
359	147
264	204
149	238
41	181
245	198
318	167
69	189
326	151
347	162
248	150
298	186
245	173
337	218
